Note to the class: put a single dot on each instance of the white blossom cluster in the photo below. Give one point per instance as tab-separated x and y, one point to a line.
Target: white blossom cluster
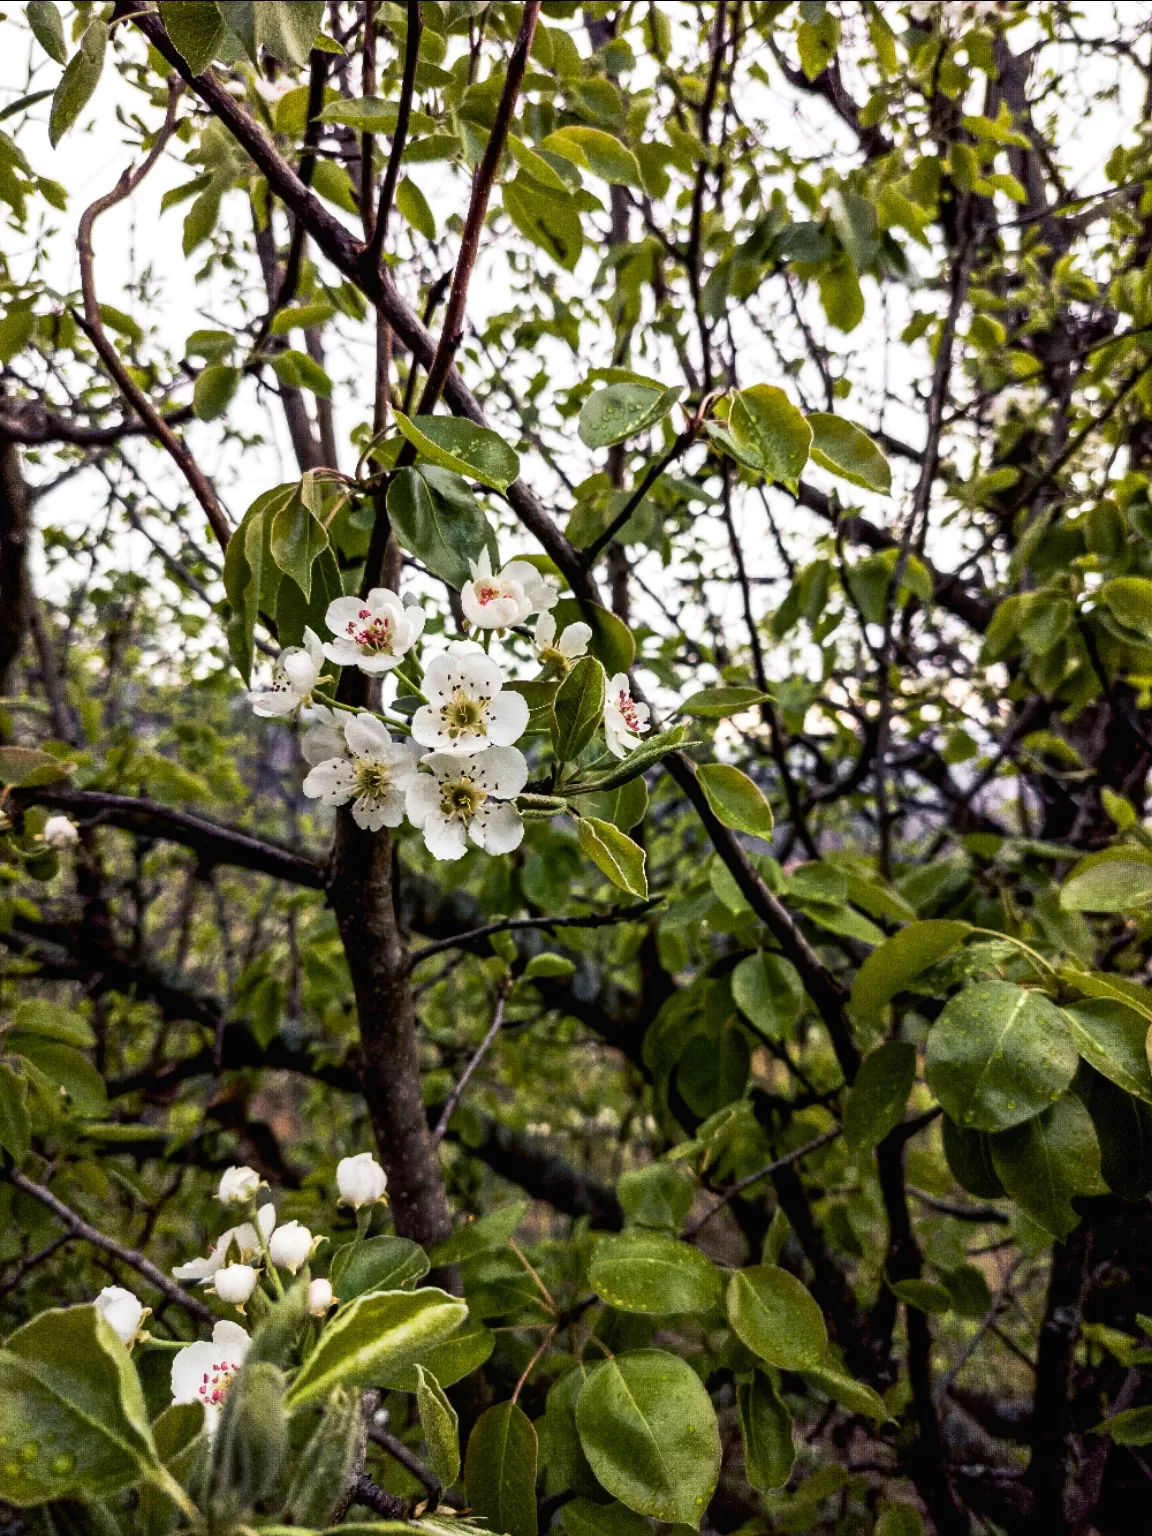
458	771
241	1257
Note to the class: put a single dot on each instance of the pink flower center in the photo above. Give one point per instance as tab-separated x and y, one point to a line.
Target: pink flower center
628	710
375	635
214	1388
488	593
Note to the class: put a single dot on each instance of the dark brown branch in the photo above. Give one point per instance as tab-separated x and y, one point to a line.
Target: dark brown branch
762	1173
400	137
683	442
29	423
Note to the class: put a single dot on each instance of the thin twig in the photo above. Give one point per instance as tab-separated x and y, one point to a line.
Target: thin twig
519	924
478	1056
683	442
762	1173
400	137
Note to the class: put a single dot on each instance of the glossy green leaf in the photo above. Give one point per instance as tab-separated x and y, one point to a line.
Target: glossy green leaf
845	450
876	1100
622	411
297	540
373	1337
924	1295
1123	1126
854	1395
614	854
969	1157
296	370
587	1517
547	219
638	761
597	151
565	1465
48	28
770	432
768	992
766	1426
1116	886
650	1273
1044	1163
998	1055
438	520
578	708
1112	1038
377	1264
15	1126
659	1195
500	1470
487	1233
452	443
900	959
735	799
78	82
649	1431
612	643
461	1353
1129	600
414	207
196	30
57	1069
440	1425
719	703
775	1315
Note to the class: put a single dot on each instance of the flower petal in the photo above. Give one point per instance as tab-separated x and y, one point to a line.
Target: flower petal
342	611
423	797
507	719
332	782
498	828
444	838
502	771
366	736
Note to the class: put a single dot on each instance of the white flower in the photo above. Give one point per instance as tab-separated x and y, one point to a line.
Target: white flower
360	1180
59	832
374	777
238	1186
244	1240
324	737
291	1245
203	1372
468	796
294	676
467	709
496	602
372	633
625	721
558	655
320	1297
235	1283
122	1311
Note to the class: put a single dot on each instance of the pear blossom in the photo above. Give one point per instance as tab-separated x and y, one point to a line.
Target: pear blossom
360	1180
234	1283
238	1186
324	737
463	797
243	1240
292	1245
497	601
122	1311
203	1372
625	721
59	832
374	777
372	633
467	709
294	676
558	654
320	1297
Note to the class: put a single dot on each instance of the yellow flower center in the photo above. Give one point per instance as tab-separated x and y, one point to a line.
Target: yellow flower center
464	715
372	778
461	799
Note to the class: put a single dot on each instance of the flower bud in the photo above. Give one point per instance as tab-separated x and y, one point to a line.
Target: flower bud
320	1297
122	1311
291	1246
360	1180
238	1186
60	833
235	1283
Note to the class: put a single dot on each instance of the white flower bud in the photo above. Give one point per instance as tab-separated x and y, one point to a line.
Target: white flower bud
238	1186
291	1246
319	1297
360	1180
60	833
235	1283
122	1311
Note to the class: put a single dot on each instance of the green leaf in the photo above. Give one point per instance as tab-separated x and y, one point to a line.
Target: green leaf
998	1055
899	960
768	429
500	1470
649	1432
298	539
463	447
68	1385
1047	1161
1118	885
593	149
296	370
301	317
48	29
614	854
1133	1426
638	761
650	1273
462	1353
612	642
578	708
1123	1126
375	1336
969	1158
625	807
1129	600
367	114
659	1195
324	1468
438	520
924	1295
481	1236
766	1425
77	83
1112	1038
719	703
213	391
441	1427
59	1068
334	184
768	992
377	1264
621	411
843	449
15	1126
196	30
876	1100
545	218
287	31
586	1517
28	767
898	1519
817	42
179	1438
565	1464
847	1391
250	1446
776	1317
736	800
415	208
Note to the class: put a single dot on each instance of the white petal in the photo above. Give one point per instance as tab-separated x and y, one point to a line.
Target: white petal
314	646
426	727
375	811
342	611
498	828
546	630
502	771
320	743
380	599
376	665
196	1269
574	639
232	1339
332	782
278	701
443	765
188	1370
300	670
366	736
464	648
507	719
423	797
416	619
344	652
444	838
